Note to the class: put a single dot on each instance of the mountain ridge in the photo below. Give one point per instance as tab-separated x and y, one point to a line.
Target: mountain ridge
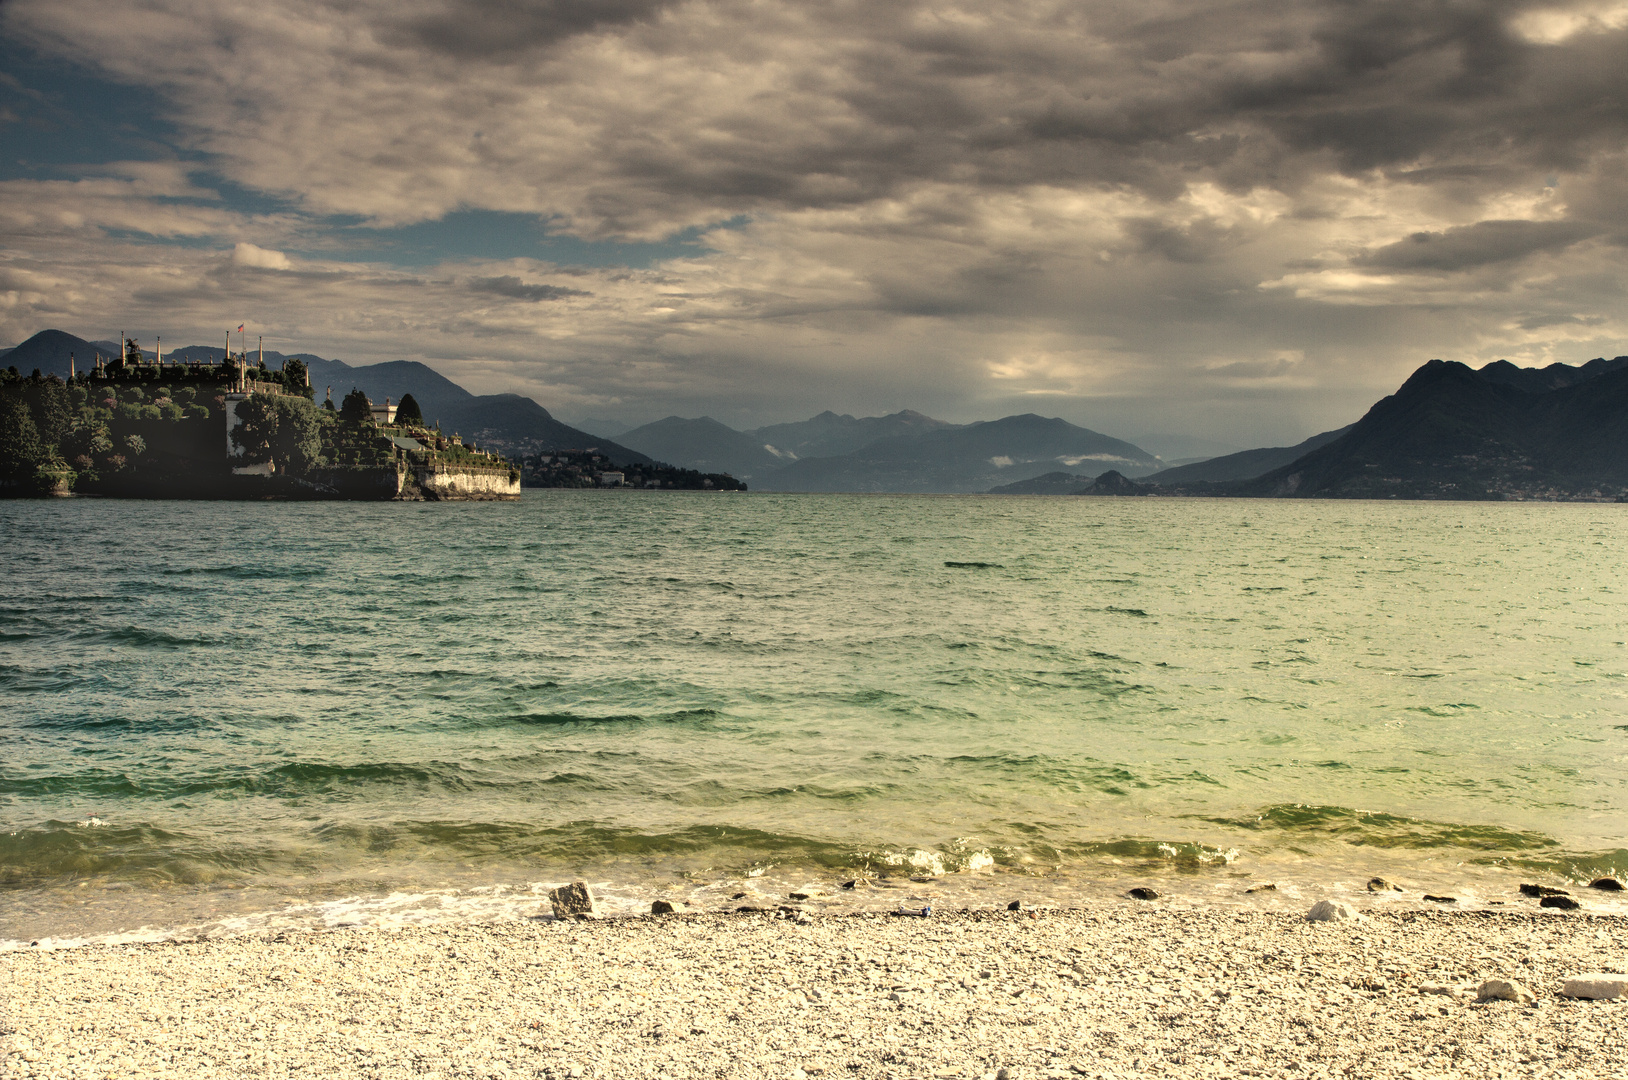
1452	432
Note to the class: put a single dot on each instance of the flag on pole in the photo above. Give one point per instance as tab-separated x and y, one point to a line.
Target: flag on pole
240	327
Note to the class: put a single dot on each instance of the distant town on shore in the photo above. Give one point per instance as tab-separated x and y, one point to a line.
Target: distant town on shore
97	417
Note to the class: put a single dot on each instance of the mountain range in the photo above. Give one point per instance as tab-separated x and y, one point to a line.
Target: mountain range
1452	432
1449	431
962	458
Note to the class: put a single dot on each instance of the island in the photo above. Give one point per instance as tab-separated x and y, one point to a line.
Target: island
138	427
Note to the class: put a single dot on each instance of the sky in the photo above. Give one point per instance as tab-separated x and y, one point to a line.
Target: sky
1241	221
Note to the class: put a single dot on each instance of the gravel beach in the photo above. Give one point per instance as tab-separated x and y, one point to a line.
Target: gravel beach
1123	991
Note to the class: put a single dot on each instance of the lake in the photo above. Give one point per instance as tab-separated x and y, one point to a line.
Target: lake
237	715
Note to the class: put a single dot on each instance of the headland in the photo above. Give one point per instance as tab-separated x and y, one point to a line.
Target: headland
137	427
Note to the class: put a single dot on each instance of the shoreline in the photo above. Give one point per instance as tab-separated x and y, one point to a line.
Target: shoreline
92	913
1118	991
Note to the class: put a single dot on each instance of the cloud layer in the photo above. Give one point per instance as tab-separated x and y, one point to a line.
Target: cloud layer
1242	219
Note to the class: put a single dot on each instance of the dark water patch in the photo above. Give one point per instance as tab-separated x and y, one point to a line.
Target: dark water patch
59	851
141	637
44	682
563	719
89	784
317	778
955	565
592	843
725	795
1133	611
1054	774
1384	830
1578	868
246	572
1444	712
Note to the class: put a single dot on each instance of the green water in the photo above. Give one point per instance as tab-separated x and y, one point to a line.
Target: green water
210	707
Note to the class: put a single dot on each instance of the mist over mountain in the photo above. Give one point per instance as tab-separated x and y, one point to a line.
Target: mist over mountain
704	445
972	458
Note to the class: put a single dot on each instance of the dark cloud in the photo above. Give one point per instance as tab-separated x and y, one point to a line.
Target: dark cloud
513	288
1538	322
1469	246
937	202
475	30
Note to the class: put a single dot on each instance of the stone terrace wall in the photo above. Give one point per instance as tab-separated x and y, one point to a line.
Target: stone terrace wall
466	482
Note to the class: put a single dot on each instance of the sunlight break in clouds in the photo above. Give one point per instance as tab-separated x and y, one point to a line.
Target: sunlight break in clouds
1123	209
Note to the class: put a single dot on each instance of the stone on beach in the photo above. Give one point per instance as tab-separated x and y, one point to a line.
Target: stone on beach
574	899
1379	884
1331	911
710	994
1503	990
1564	903
1596	986
668	907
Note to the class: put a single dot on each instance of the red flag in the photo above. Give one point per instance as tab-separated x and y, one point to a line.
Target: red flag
240	327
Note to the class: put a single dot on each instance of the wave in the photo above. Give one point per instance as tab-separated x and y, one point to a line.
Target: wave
1368	828
142	637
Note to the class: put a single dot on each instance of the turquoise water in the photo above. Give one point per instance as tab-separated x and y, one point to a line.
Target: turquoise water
216	707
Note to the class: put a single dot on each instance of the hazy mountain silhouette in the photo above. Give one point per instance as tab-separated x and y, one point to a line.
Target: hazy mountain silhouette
1451	432
1245	464
972	458
49	350
831	434
705	445
1052	483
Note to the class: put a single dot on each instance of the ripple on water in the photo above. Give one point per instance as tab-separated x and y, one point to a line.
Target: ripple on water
265	697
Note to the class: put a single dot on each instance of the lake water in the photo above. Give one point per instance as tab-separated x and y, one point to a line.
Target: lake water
223	716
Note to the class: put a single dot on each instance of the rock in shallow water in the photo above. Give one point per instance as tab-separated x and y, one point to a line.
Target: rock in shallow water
668	907
1144	893
1542	890
1379	884
1564	903
1609	884
1331	911
574	899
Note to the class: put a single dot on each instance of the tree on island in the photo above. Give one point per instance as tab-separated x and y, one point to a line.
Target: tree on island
296	376
408	411
48	405
20	449
356	409
280	428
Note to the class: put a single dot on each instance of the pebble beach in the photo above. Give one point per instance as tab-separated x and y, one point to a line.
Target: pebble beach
1129	990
